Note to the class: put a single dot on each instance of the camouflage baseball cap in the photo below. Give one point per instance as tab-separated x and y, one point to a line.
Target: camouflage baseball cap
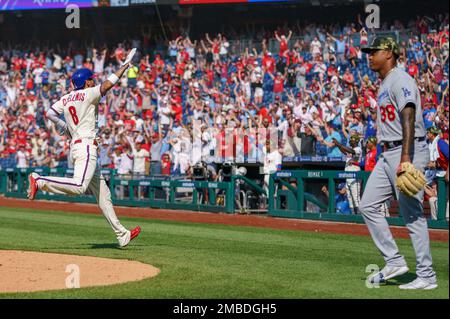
372	139
383	43
434	130
354	138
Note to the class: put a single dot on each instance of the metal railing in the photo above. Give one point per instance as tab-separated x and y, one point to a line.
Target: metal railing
292	194
157	192
299	194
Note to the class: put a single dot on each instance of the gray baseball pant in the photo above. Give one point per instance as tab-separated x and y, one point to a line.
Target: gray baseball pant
380	187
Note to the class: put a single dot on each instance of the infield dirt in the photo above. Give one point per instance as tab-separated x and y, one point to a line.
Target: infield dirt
22	271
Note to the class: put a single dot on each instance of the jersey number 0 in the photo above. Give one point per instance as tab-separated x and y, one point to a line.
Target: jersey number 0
73	113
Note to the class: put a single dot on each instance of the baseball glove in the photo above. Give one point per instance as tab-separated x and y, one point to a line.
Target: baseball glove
410	180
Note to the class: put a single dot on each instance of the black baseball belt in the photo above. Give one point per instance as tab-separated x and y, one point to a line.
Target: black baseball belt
388	145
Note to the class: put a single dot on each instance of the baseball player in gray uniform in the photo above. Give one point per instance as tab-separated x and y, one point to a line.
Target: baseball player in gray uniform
401	133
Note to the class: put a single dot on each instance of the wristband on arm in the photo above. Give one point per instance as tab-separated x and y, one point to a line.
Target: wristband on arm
113	79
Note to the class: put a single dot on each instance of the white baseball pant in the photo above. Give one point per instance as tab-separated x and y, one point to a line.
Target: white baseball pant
353	189
86	176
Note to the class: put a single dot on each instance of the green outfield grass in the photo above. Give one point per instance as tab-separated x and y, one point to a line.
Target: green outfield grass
216	261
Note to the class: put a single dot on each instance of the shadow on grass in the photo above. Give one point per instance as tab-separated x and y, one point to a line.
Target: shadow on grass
92	246
400	280
83	247
96	246
104	246
116	246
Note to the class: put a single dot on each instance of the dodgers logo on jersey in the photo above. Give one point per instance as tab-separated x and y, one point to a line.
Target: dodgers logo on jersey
381	96
406	92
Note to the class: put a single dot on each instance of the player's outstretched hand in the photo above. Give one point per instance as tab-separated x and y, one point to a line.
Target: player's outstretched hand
129	57
410	180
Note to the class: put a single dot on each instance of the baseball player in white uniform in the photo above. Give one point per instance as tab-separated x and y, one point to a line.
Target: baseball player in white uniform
80	109
354	154
401	133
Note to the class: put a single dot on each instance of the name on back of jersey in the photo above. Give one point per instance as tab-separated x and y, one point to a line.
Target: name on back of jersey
74	97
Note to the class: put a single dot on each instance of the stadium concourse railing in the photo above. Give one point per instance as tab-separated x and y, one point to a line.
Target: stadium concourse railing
296	194
292	194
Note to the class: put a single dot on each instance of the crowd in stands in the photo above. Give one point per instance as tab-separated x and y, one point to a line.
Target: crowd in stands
314	88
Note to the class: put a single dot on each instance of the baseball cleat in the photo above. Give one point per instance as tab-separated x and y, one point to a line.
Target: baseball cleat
32	186
388	272
130	236
135	232
419	283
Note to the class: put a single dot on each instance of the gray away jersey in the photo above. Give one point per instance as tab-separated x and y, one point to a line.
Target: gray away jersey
397	90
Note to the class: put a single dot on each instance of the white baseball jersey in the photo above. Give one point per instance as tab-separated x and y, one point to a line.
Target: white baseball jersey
22	159
354	159
126	164
272	162
139	160
80	109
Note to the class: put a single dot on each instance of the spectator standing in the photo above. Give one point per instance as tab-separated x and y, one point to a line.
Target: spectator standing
140	156
166	165
284	42
340	47
431	194
332	134
99	60
22	157
104	154
125	169
369	164
308	142
432	168
39	160
132	74
442	161
155	154
354	156
272	161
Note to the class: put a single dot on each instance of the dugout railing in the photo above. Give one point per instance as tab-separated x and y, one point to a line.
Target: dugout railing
301	194
134	191
292	194
173	194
